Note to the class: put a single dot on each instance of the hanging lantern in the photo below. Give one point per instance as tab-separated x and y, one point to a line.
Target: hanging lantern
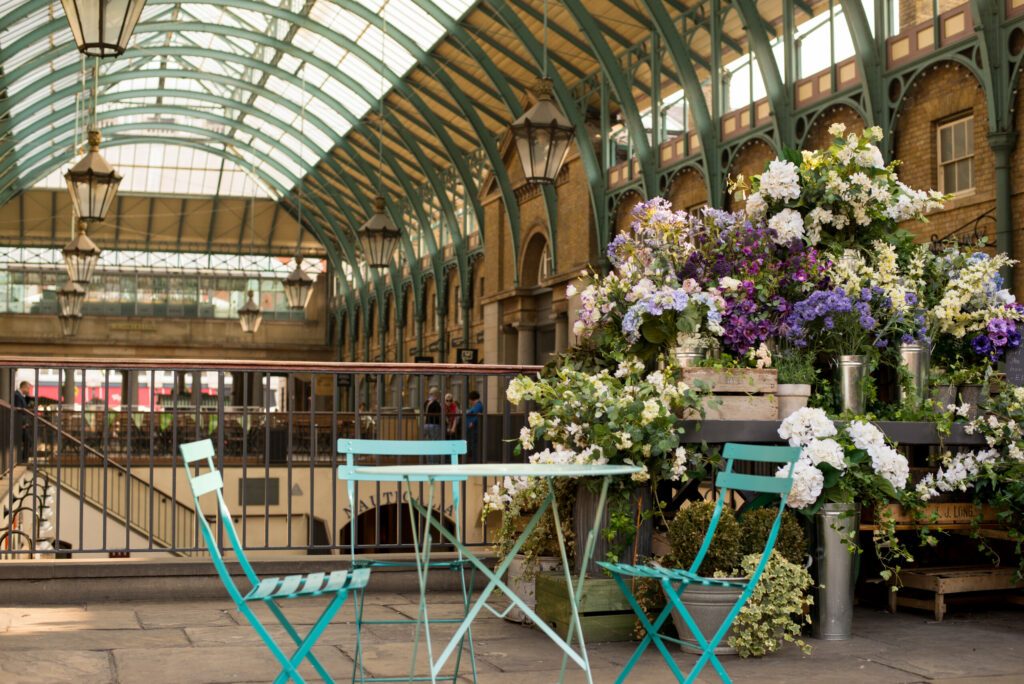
102	27
81	256
249	316
69	324
298	287
543	135
92	182
379	237
70	299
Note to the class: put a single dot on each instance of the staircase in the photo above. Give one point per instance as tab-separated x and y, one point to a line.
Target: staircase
109	487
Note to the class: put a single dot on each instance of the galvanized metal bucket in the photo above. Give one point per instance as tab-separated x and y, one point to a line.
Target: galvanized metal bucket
916	358
851	382
837	525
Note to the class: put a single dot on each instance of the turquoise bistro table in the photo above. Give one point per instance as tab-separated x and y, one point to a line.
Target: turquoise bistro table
440	474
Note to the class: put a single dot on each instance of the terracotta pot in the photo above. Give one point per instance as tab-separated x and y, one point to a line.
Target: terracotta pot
791	398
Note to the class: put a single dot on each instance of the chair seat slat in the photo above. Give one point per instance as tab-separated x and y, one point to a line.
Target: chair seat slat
314	583
289	585
266	588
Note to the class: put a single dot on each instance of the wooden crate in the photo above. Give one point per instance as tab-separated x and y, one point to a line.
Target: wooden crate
942	582
949	515
737	393
604	612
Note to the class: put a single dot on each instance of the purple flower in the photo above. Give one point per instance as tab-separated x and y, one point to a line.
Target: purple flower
1013	340
981	345
998	326
907	339
911	298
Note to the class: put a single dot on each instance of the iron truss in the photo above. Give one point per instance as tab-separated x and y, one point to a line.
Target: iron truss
289	89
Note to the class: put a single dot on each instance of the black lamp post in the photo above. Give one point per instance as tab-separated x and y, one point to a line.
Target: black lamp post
250	316
92	182
298	287
543	135
102	27
379	237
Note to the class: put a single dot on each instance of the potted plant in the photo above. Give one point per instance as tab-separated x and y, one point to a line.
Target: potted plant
612	410
837	472
540	552
776	611
797	375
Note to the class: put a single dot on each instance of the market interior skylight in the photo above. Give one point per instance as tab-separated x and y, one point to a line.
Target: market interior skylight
271	91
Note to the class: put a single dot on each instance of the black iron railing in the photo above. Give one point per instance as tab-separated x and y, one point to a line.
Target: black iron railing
103	438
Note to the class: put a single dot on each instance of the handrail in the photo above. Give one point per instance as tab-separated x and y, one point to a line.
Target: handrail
87	487
274	366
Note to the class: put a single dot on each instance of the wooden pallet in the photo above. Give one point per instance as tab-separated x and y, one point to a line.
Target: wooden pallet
604	612
737	393
946	581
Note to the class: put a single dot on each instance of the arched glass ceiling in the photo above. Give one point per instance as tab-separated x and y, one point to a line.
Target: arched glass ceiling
254	80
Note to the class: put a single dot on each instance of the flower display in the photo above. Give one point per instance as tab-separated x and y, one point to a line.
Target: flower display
842	195
858	465
647	299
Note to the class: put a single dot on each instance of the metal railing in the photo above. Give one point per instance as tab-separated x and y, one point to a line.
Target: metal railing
106	434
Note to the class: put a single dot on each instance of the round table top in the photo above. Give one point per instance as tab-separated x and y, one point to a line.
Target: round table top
495	470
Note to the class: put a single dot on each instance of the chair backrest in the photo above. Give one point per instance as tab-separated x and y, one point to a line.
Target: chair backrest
453	449
727	480
197	456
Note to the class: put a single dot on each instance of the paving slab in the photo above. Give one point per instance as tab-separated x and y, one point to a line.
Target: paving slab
68	618
91	639
213	665
162	615
393	659
45	667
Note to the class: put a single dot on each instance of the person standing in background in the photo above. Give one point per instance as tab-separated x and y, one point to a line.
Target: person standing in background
432	415
451	417
474	413
23	402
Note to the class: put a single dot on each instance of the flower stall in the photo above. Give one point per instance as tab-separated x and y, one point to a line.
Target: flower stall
884	354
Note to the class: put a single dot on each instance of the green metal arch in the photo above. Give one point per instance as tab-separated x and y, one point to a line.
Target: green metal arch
613	72
591	165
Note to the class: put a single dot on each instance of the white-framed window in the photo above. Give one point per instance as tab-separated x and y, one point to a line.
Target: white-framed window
955	143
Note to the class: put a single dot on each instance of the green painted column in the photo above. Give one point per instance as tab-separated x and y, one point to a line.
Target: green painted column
1003	144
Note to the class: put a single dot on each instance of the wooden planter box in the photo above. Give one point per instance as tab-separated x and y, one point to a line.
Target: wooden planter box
737	393
943	582
604	612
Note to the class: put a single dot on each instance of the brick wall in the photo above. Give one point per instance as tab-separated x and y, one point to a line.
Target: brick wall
818	137
688	190
945	92
749	161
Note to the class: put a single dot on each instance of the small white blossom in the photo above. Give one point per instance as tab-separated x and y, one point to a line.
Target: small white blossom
804	424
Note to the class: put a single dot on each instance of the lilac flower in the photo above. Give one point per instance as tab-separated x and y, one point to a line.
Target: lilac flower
981	345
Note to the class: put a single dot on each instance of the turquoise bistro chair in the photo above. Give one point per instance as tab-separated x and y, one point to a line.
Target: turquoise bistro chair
269	590
675	581
420	451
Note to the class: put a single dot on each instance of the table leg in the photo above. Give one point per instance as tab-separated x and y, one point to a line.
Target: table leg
422	554
495	582
575	596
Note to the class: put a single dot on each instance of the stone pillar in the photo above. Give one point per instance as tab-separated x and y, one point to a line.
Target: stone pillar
238	397
67	388
525	344
129	388
561	332
419	335
492	350
1007	239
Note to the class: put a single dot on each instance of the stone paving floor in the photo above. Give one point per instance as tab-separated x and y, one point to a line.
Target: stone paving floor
209	642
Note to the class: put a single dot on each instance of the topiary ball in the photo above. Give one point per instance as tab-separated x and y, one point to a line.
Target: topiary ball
686	534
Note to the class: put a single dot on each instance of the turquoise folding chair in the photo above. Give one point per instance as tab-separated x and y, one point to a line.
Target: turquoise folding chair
675	581
269	590
422	449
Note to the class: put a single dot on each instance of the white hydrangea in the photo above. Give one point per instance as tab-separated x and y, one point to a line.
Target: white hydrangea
805	424
781	181
871	156
891	465
788	225
518	389
535	419
808	482
756	206
825	451
865	435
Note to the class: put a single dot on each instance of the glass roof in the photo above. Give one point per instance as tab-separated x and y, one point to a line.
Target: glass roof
261	93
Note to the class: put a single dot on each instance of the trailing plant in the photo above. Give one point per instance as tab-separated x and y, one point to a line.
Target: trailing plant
777	610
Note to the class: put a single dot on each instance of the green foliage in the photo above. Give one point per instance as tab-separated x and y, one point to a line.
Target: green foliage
777	610
756	525
544	539
686	534
795	366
